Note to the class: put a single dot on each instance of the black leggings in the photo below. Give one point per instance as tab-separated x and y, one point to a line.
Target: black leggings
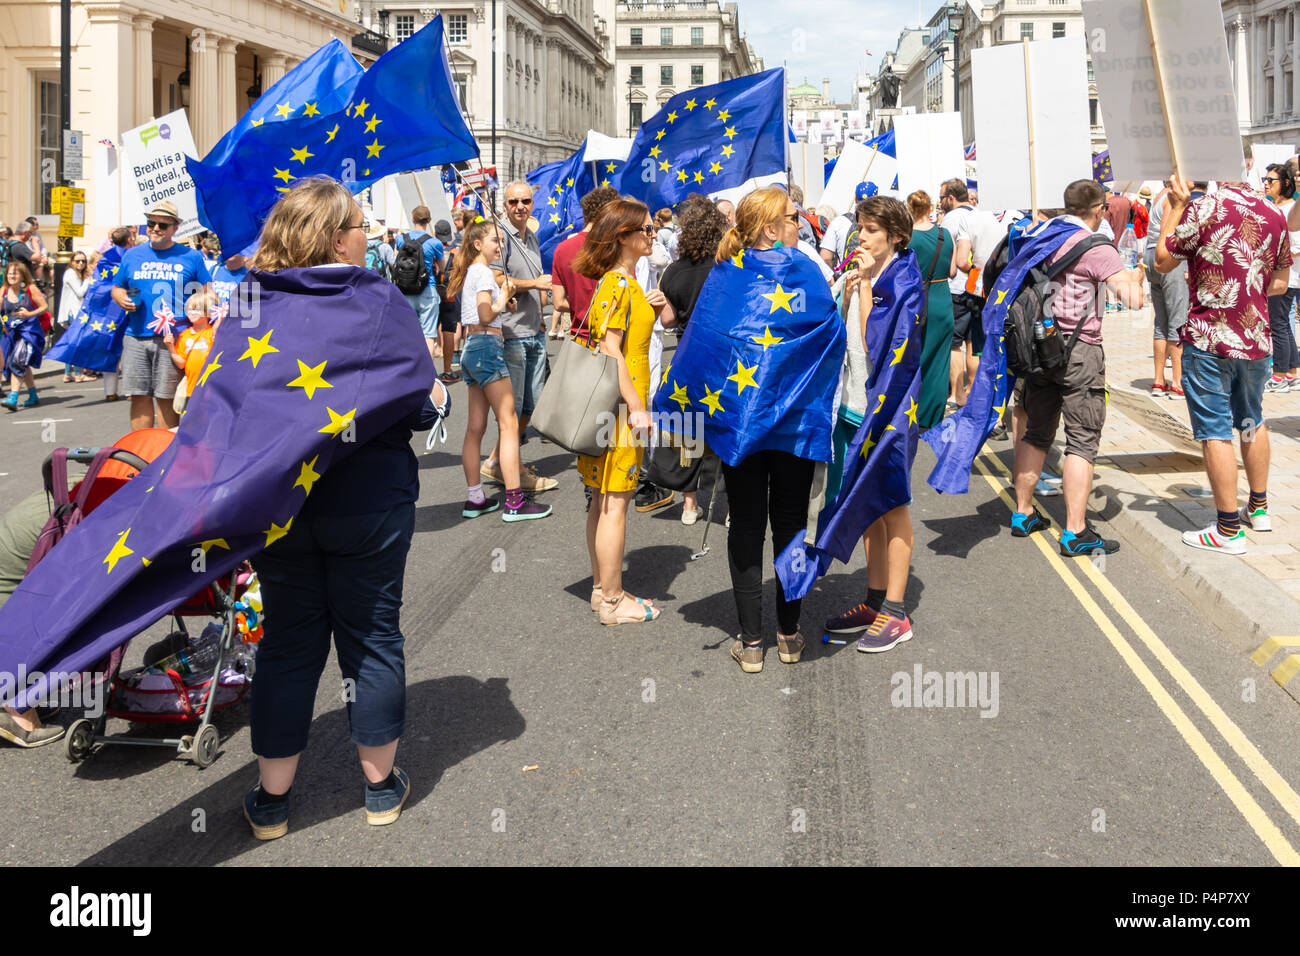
767	484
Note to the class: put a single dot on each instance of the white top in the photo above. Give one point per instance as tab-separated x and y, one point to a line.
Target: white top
1293	282
74	290
478	278
983	230
836	233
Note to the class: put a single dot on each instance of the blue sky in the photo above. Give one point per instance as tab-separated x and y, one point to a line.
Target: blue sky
820	38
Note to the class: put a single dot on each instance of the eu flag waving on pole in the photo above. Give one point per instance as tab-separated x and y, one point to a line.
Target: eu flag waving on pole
94	337
961	436
708	139
876	471
559	188
399	115
760	360
334	362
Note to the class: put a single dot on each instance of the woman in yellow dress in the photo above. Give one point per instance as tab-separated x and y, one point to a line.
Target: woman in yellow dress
622	318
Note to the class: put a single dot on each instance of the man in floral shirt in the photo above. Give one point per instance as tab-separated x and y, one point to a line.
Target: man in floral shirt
1237	251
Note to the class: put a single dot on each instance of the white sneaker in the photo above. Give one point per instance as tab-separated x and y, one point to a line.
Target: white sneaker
1209	539
690	517
1257	520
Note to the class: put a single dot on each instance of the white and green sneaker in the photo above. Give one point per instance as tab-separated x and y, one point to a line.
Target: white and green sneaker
1209	539
1257	520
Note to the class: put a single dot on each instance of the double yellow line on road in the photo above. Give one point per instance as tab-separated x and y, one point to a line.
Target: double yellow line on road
1273	781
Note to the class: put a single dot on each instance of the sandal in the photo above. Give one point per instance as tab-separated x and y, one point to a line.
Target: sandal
609	615
597	597
1174	391
68	378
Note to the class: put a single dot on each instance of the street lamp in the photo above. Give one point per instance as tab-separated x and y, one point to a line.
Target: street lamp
955	19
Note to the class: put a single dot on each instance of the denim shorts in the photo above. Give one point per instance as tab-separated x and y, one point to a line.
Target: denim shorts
1222	393
426	307
526	359
483	360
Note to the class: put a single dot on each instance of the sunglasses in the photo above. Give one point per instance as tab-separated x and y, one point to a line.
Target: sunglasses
650	230
519	202
1272	179
793	217
364	224
155	224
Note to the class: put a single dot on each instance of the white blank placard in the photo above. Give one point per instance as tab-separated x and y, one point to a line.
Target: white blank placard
857	164
1062	145
807	171
929	151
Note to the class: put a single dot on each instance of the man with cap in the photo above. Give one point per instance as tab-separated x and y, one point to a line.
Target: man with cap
836	240
152	285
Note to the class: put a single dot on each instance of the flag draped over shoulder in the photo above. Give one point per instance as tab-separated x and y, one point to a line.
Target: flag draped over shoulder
959	439
558	191
399	115
708	139
332	361
877	470
760	360
93	339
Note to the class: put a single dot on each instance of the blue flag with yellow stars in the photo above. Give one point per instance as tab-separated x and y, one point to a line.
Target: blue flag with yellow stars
708	139
875	475
558	191
1101	168
322	361
760	360
962	434
399	115
93	338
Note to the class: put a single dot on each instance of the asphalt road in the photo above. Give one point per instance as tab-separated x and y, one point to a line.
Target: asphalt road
1118	734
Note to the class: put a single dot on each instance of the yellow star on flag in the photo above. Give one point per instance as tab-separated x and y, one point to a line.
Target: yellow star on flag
552	201
146	562
118	551
660	134
307	475
258	348
767	338
329	137
360	108
681	175
738	260
97	326
301	155
723	116
611	167
715	168
709	103
730	133
664	381
672	116
867	445
879	404
309	379
372	149
338	423
1000	409
213	543
679	396
698	177
569	182
212	367
654	152
727	151
555	217
276	532
710	401
282	174
559	188
310	110
259	122
780	299
690	104
898	353
112	326
665	165
605	181
372	123
1002	294
284	110
744	377
911	411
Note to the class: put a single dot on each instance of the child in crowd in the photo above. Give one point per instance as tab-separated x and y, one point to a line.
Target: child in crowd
190	351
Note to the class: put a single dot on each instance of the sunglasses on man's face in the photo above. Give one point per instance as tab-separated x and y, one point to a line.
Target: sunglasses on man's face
519	202
155	224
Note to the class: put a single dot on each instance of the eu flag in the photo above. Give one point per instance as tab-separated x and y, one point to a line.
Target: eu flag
1101	168
760	360
277	406
399	115
708	139
961	436
93	339
876	471
558	191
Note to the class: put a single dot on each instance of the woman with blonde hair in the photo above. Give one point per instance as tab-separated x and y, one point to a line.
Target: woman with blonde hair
621	319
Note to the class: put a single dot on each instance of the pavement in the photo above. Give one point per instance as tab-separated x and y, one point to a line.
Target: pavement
1047	711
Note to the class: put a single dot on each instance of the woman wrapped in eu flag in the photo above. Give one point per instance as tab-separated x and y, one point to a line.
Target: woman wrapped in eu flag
336	568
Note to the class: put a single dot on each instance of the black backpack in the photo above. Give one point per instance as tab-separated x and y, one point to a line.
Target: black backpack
15	250
409	271
1033	340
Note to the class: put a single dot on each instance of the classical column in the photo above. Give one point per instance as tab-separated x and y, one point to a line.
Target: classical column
539	91
552	88
273	68
142	25
227	88
1279	77
203	92
1242	74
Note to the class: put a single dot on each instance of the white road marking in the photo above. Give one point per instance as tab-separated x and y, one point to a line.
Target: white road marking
43	421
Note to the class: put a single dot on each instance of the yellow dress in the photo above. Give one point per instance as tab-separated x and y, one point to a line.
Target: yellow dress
619	303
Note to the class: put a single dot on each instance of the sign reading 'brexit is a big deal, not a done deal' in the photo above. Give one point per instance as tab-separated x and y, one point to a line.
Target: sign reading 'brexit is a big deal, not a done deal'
154	158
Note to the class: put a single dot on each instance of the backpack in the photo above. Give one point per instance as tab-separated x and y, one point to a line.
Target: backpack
409	270
816	223
14	250
1033	339
374	260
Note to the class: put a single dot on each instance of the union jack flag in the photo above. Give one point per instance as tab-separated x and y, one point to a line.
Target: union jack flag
970	152
164	320
218	312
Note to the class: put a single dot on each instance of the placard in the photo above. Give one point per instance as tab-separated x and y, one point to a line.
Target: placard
929	151
857	163
807	164
155	164
1198	91
1062	142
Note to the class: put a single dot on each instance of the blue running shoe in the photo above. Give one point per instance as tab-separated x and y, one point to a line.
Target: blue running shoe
1023	525
1087	542
1045	489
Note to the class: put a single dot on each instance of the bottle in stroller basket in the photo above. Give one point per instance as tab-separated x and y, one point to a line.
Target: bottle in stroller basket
197	659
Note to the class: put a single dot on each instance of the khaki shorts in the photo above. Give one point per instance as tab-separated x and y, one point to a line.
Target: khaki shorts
1077	393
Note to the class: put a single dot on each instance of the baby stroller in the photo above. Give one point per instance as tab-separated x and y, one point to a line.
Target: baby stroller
174	687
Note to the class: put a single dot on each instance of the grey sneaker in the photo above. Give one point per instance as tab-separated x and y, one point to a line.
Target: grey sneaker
385	806
11	732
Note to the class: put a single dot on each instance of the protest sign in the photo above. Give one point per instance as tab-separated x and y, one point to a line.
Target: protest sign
1165	86
423	189
857	163
807	171
929	150
155	166
830	126
1057	83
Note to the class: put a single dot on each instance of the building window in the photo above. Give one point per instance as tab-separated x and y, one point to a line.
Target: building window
1268	96
636	75
458	28
697	36
48	137
665	36
1288	91
666	75
636	36
403	25
1092	113
635	119
1092	74
1026	31
1058	30
697	76
462	91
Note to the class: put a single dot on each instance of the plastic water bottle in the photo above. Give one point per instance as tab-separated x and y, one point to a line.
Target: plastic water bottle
1128	247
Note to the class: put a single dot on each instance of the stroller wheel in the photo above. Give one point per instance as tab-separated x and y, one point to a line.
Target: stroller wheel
204	751
81	738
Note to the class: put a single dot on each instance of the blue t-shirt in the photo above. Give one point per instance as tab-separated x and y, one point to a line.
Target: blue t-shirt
159	282
224	281
432	249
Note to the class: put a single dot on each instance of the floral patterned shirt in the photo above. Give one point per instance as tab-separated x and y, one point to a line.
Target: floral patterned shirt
1232	240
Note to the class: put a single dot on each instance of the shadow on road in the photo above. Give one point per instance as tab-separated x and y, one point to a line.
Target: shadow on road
448	720
956	537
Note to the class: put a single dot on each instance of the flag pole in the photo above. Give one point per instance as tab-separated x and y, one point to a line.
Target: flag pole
1029	115
1160	87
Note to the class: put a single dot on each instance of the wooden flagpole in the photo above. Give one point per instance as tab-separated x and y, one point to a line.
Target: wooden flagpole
1029	115
1160	87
